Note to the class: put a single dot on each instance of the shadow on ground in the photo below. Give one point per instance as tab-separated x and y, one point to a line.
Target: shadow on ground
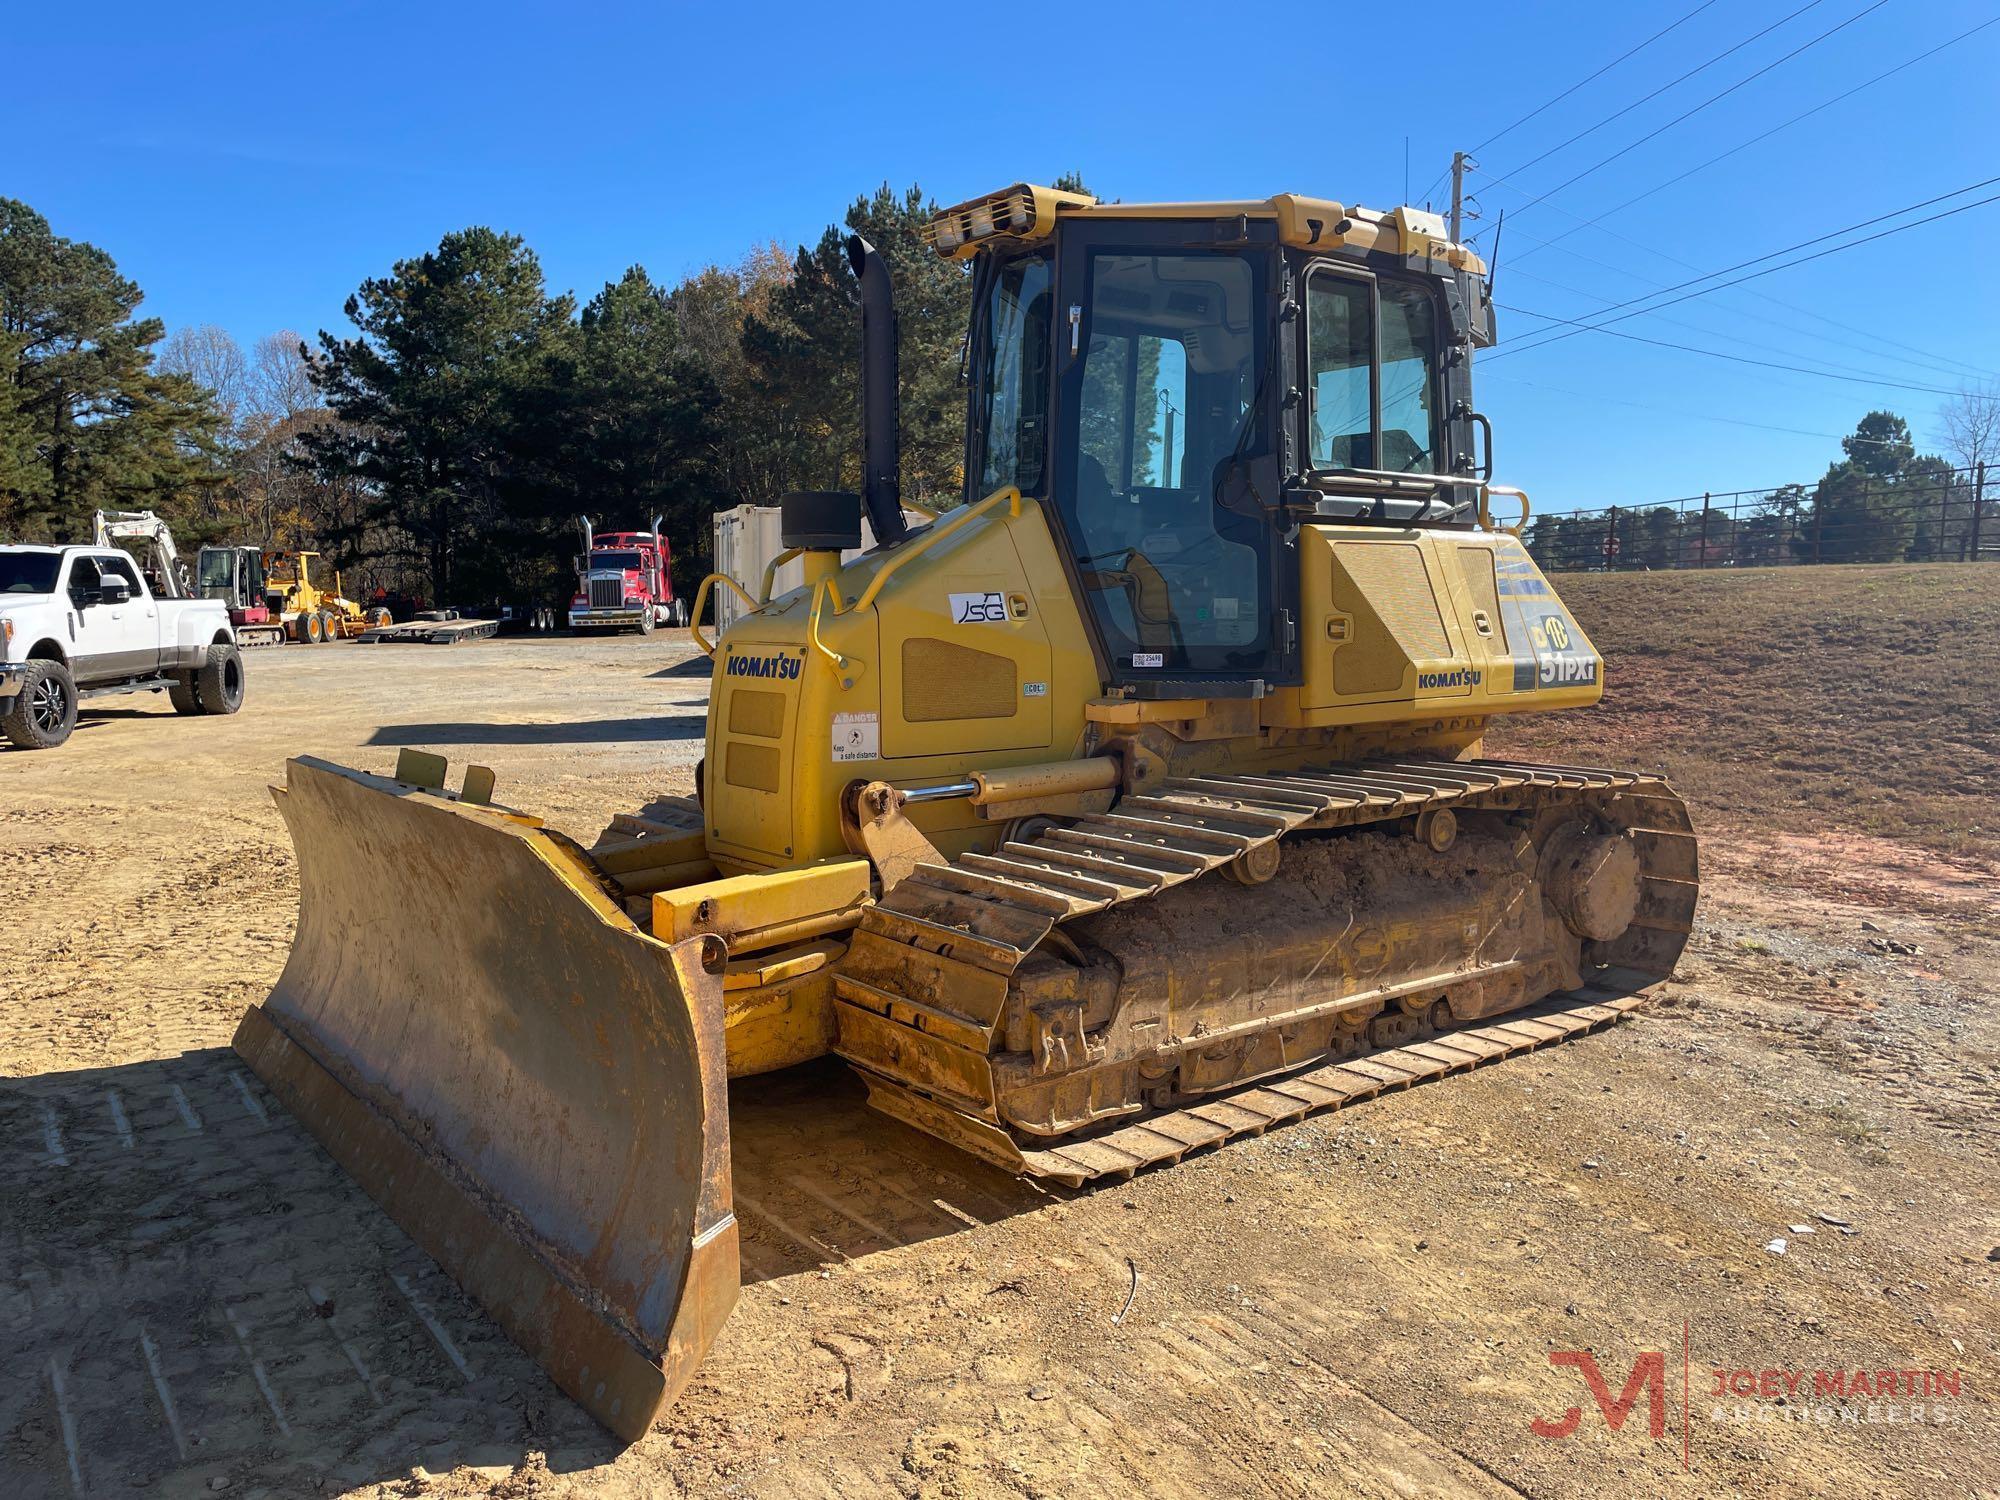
694	666
196	1292
574	732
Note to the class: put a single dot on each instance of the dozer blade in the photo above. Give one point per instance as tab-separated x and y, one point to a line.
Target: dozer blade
532	1087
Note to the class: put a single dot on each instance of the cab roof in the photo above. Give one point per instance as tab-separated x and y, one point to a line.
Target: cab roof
1027	212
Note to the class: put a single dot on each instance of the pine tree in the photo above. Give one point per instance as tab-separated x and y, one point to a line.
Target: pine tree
637	414
804	352
438	400
87	422
1866	508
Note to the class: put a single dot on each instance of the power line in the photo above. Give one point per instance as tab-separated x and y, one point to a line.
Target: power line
1742	359
1663	88
1711	99
1715	333
1672	411
1929	357
1917	357
1786	125
1621	57
1769	270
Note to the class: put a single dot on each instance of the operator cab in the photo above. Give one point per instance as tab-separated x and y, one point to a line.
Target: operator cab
234	575
1184	385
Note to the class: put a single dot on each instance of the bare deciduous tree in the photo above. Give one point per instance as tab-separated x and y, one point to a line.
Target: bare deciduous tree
279	381
1971	422
211	358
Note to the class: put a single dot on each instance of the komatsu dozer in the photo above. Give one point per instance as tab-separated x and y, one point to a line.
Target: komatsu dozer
1137	802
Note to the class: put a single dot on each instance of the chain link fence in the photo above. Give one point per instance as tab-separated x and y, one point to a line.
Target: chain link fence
1945	515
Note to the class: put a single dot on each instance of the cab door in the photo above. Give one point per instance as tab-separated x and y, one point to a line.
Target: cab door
97	634
137	620
1168	384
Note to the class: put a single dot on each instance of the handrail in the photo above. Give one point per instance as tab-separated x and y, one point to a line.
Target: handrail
840	663
771	572
1432	483
1486	510
929	538
701	597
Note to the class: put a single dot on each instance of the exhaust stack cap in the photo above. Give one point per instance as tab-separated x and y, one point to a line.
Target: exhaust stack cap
820	520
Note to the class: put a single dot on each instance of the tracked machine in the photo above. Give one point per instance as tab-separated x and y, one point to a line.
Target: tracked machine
1136	803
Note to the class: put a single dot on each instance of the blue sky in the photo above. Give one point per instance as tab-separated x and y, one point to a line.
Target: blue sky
250	165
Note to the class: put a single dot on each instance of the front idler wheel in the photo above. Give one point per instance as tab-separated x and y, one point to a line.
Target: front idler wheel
1592	879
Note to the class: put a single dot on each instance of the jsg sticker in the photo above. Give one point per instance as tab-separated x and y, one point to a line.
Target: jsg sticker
989	608
1034	690
857	737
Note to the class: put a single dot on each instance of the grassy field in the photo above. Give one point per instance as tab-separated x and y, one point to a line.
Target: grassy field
1863	699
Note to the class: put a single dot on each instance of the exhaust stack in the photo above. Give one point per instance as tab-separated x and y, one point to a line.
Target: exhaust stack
589	538
881	456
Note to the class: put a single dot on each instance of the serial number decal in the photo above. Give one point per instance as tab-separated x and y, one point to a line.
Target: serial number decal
784	668
1149	659
1034	690
988	608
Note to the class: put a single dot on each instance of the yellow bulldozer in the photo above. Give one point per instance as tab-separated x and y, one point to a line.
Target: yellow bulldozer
1135	803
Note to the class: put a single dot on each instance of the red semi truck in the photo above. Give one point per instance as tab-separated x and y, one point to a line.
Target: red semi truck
622	581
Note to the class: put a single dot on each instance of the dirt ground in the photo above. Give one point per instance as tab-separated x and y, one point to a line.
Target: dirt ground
194	1300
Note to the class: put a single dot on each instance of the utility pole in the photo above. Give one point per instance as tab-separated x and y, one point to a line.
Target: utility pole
1459	162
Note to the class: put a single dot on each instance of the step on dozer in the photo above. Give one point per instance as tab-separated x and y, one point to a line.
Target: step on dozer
1136	803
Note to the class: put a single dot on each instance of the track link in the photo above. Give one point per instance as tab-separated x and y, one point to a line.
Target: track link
921	995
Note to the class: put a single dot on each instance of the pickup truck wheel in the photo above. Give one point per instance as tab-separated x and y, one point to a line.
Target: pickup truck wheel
41	716
184	695
219	688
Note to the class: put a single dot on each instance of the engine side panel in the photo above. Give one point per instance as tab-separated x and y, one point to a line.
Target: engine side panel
1410	625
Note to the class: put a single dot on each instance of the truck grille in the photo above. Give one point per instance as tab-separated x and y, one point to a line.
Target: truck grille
607	593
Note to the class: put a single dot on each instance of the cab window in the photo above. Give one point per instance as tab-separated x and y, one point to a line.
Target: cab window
82	580
1014	385
1409	380
120	567
1340	339
1166	404
1371	364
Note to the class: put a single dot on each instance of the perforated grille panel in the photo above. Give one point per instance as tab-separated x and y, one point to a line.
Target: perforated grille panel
1388	591
946	681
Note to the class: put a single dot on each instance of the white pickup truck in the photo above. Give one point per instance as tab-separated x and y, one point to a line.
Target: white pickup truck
80	622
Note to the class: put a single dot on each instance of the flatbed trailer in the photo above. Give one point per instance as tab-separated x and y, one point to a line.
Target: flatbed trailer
430	632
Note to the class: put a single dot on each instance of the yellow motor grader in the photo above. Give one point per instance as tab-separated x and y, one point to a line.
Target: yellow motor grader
307	613
1136	803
